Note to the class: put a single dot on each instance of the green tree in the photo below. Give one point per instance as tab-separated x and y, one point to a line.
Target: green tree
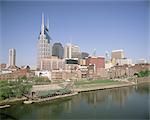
17	88
145	73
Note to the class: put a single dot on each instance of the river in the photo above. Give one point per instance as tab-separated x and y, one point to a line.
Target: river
118	103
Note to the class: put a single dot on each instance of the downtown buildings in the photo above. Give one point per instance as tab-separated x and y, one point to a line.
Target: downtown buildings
70	58
11	71
69	62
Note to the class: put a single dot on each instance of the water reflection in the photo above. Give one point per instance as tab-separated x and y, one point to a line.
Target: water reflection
117	95
141	89
111	103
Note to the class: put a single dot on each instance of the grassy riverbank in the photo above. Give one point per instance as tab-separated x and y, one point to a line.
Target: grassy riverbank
88	85
83	82
94	83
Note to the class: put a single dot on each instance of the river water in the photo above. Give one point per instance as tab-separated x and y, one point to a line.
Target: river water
117	103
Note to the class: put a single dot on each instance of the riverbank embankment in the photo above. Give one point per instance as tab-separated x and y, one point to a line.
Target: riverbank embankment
92	87
55	97
96	87
143	79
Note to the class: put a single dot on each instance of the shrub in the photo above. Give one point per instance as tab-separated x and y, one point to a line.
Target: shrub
145	73
15	88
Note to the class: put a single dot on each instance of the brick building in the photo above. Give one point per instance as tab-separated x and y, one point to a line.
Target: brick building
52	63
98	62
96	66
14	74
126	70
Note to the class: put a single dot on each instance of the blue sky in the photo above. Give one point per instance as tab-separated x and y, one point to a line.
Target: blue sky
103	25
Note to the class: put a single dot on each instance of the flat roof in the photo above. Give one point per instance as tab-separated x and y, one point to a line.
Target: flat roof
117	50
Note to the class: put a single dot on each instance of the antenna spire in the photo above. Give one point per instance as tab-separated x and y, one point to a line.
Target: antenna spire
94	52
42	26
70	39
48	23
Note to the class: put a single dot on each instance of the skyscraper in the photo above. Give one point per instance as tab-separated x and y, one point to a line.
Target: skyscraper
44	47
67	51
75	51
72	51
58	50
12	57
84	55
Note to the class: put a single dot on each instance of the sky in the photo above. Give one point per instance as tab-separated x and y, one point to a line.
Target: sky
100	25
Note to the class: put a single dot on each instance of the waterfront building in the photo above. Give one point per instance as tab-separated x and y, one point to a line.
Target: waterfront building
44	45
71	51
71	64
140	61
52	63
57	75
12	57
83	71
58	50
123	61
98	62
5	71
108	65
117	54
141	67
95	64
10	74
43	73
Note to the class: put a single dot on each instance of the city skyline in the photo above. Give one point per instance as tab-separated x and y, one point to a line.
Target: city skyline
114	25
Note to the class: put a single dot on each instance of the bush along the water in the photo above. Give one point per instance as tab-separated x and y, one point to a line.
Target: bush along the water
14	88
145	73
52	93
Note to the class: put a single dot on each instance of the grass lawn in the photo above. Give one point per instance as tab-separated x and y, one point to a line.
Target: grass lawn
84	82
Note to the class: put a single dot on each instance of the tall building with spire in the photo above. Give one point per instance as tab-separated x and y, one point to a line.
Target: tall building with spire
44	45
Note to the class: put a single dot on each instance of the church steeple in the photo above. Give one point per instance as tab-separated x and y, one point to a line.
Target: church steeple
42	26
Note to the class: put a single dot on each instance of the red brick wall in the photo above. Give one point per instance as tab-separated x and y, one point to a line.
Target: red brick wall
14	75
98	61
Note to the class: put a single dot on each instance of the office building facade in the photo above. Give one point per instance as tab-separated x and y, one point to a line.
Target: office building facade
12	57
52	63
84	55
58	50
117	54
72	51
